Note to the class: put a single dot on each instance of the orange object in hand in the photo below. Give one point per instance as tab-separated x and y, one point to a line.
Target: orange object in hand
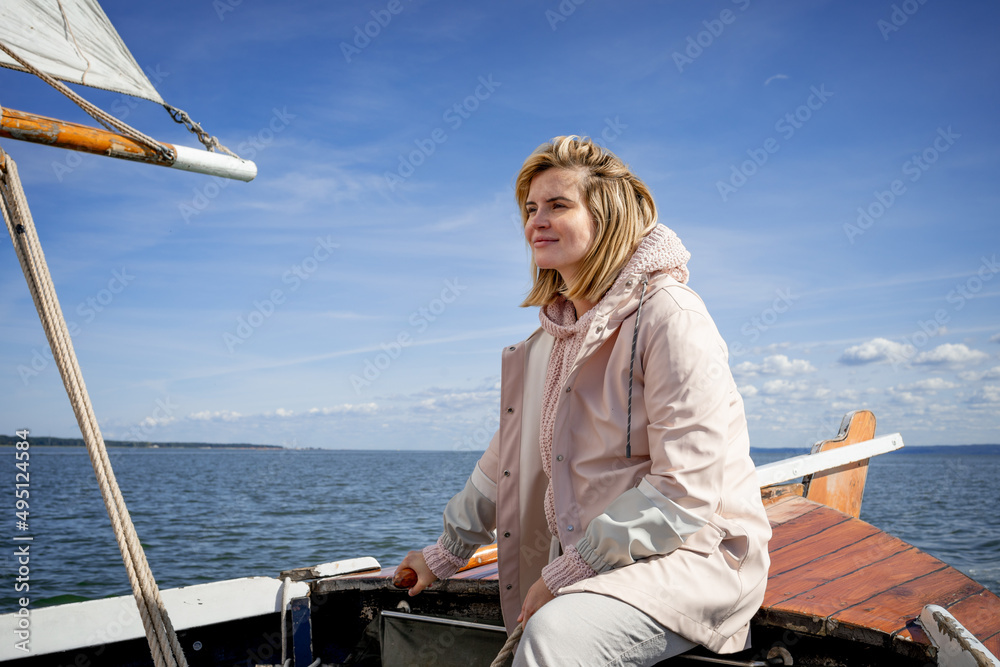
405	578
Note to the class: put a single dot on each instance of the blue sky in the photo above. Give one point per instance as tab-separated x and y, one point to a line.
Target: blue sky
831	166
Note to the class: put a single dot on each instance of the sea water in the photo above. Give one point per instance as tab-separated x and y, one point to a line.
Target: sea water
207	514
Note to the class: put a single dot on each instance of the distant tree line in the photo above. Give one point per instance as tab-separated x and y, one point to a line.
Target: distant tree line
43	441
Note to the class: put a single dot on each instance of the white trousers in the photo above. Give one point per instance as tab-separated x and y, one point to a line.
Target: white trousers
578	629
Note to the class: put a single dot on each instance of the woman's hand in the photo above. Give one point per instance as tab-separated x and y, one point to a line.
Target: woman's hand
537	596
415	561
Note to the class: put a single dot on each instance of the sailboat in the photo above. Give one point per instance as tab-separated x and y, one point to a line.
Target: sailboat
841	592
73	40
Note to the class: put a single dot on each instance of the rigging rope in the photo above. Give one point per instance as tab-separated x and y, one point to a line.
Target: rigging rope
210	142
509	647
163	643
101	116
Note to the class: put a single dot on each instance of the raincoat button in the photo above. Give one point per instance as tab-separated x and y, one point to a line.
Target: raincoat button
510	410
510	586
559	458
511	348
569	528
569	389
506	473
599	329
628	283
506	534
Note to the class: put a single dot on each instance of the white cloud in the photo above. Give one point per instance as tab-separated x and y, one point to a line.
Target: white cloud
995	338
346	408
783	387
876	351
216	415
906	398
990	394
157	421
951	354
776	364
928	385
975	376
775	77
442	399
748	391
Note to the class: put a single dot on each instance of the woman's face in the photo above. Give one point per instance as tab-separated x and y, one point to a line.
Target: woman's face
559	230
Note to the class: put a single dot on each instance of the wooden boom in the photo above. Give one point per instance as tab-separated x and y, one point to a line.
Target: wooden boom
61	134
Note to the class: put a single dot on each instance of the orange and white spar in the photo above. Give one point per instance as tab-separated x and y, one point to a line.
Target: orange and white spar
24	126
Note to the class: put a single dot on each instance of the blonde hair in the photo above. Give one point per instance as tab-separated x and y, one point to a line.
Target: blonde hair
619	203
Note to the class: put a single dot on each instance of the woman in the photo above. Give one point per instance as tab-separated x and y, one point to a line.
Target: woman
626	507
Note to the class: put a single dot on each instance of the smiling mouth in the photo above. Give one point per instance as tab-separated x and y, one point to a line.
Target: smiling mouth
542	242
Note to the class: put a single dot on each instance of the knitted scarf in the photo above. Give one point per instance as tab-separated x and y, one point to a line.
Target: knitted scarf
660	250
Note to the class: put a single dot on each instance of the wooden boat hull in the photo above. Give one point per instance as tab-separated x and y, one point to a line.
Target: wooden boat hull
840	592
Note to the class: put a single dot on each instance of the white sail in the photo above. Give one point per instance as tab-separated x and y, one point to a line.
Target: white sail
72	40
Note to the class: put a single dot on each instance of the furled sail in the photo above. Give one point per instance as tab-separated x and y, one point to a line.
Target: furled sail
72	40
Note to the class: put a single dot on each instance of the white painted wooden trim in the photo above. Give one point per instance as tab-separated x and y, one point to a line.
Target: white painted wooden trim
342	567
213	164
956	646
807	464
80	624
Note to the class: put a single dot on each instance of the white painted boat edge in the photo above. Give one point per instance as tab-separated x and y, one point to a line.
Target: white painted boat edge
956	646
95	622
346	566
807	464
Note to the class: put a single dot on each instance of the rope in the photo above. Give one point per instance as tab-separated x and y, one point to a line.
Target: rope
210	142
101	116
160	634
286	598
509	647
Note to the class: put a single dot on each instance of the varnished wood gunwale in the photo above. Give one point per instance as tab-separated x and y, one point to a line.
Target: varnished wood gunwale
843	488
862	583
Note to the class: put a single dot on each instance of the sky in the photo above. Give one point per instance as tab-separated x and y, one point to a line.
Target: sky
831	166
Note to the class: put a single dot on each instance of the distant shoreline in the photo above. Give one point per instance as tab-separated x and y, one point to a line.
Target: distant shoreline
48	441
